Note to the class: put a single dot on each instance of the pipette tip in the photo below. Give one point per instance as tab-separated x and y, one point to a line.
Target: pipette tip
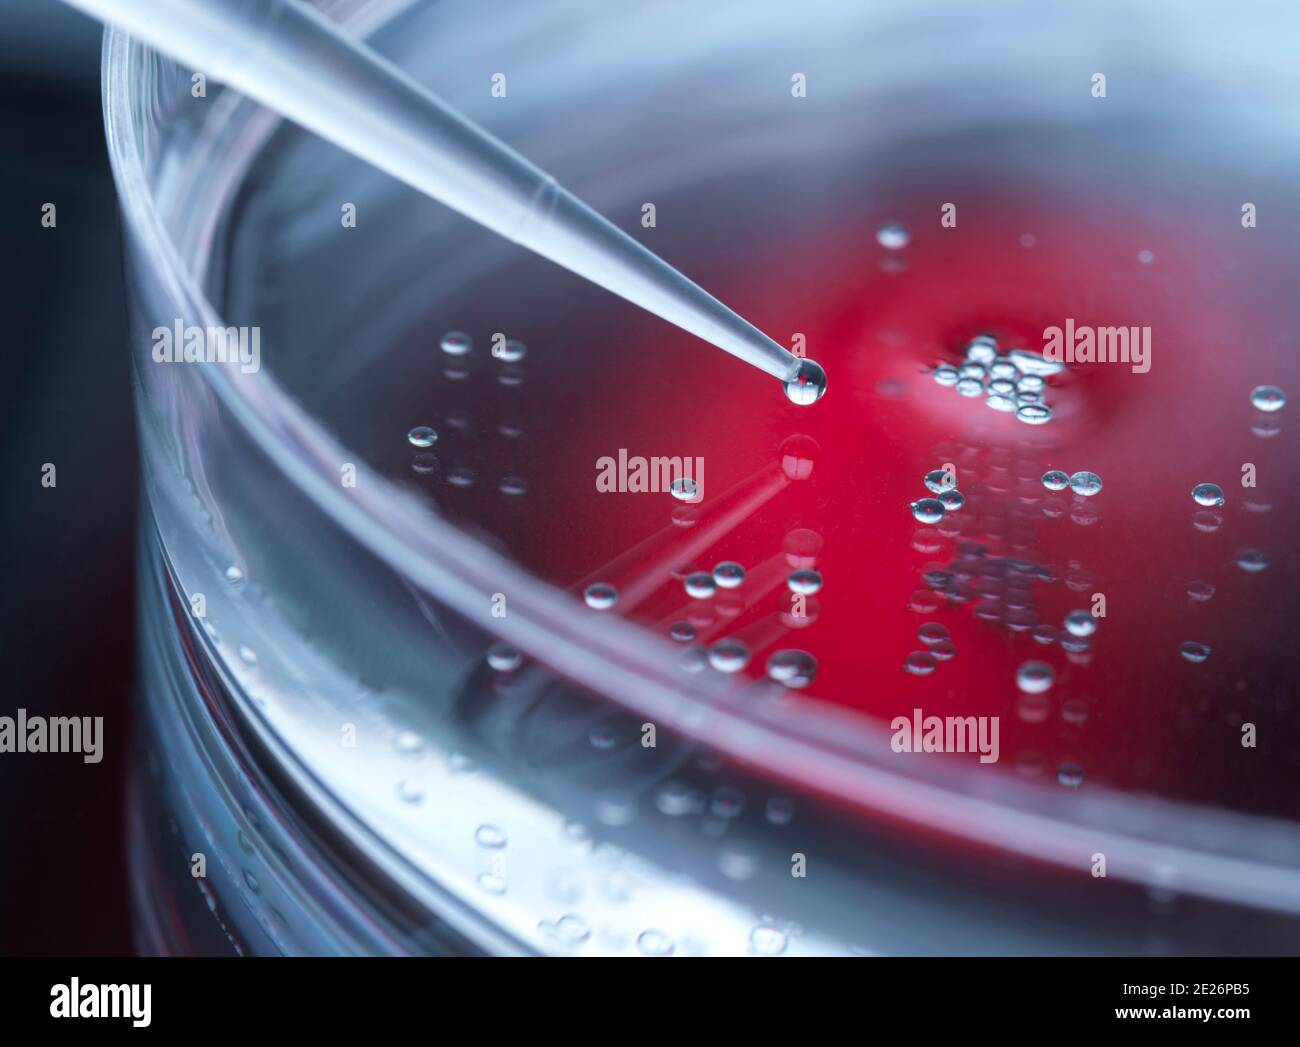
808	385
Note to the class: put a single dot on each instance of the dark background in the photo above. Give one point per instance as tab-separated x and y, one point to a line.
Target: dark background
66	613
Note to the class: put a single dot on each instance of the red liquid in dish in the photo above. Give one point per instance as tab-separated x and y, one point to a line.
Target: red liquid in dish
1131	710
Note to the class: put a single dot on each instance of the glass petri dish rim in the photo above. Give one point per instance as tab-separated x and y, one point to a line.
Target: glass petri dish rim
1238	858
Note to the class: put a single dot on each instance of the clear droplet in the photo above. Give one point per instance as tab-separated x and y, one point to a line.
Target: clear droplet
1035	363
920	663
1252	561
1208	495
931	633
513	486
793	669
938	480
946	375
234	575
952	500
654	943
1033	414
780	810
1002	369
490	836
1194	652
1070	775
461	476
457	343
1200	591
1030	383
808	385
422	436
600	596
970	387
684	488
1267	398
700	585
728	656
511	351
728	574
893	236
982	350
568	930
1044	634
1085	483
928	510
1002	402
491	883
805	581
682	632
1080	623
1035	677
503	658
944	650
1055	480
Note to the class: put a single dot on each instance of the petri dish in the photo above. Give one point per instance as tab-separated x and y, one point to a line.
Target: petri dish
422	667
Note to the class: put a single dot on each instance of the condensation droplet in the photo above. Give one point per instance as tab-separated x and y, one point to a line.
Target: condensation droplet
920	663
1208	495
1034	414
503	658
682	632
728	574
456	343
684	488
791	668
654	943
511	351
490	837
805	581
1085	483
928	510
700	585
600	596
1252	561
422	436
931	633
491	883
1267	398
1080	623
946	375
728	656
893	236
939	480
1035	677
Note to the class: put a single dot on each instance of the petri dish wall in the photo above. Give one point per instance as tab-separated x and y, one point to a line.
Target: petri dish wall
384	710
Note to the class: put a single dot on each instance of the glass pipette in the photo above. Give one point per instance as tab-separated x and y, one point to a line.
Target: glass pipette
292	59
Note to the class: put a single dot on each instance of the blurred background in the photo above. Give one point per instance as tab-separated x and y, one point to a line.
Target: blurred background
67	608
